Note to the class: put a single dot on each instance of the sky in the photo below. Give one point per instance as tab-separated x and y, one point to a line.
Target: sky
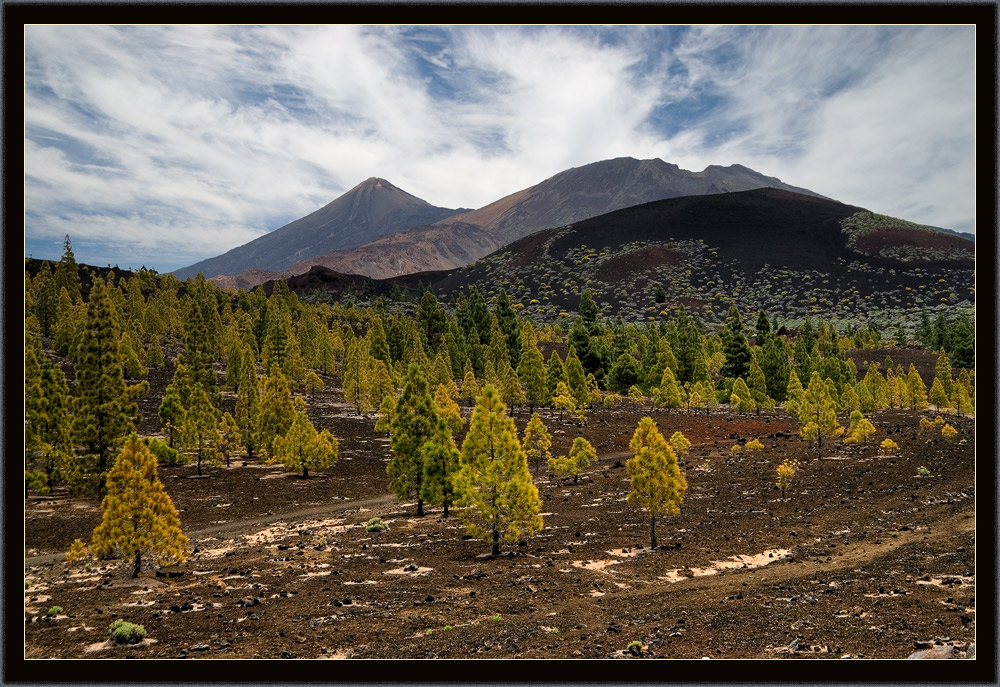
165	145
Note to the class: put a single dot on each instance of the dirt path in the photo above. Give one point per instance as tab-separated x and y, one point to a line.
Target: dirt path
247	523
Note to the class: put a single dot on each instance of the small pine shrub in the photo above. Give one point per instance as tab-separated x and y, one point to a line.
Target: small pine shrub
634	644
754	445
124	632
888	446
375	525
735	449
496	618
938	421
447	628
948	432
165	454
55	610
77	552
926	424
923	472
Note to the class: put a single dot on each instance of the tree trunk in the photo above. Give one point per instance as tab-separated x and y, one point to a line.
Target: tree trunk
652	531
496	542
138	564
445	509
199	462
305	472
420	507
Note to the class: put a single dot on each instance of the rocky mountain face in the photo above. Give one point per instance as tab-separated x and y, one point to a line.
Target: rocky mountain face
570	196
379	231
371	209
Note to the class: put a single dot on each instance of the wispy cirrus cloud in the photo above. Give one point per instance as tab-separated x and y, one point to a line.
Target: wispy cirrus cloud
164	145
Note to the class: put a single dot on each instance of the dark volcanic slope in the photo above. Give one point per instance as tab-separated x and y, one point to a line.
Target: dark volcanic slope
787	253
371	209
569	196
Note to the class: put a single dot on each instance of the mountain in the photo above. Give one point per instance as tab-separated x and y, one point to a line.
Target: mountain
786	253
567	197
371	209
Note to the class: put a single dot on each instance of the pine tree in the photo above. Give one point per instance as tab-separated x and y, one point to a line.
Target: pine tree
493	482
741	399
356	378
859	429
312	383
758	388
414	422
385	413
536	442
531	369
668	394
580	456
470	388
302	447
200	427
67	274
916	390
938	396
818	412
577	379
564	399
776	367
658	485
432	321
248	404
439	458
138	518
555	372
171	413
963	344
48	425
448	410
736	349
275	412
105	410
942	372
230	439
680	444
47	303
199	334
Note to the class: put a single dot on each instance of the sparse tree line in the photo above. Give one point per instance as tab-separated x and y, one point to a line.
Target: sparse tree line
273	352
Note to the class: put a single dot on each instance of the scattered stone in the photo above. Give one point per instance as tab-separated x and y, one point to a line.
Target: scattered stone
200	647
937	652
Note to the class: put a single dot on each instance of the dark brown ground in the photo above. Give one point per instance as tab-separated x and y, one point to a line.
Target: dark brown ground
877	559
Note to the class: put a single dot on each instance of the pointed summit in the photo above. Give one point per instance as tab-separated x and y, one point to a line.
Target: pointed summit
372	209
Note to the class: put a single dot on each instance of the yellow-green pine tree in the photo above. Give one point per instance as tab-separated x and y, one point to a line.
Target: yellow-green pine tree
658	485
138	518
536	442
302	447
493	482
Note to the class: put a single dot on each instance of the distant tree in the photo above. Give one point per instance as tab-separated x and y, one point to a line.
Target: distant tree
230	439
741	399
818	412
312	383
448	410
736	349
138	517
302	447
536	442
786	471
200	427
414	422
171	413
493	482
658	485
531	369
275	412
432	320
624	373
680	444
916	390
580	456
470	388
555	373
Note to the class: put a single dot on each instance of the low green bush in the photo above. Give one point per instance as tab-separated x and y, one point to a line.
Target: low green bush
124	632
55	610
375	525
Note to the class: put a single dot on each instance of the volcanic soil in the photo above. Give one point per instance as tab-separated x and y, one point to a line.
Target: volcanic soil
861	557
